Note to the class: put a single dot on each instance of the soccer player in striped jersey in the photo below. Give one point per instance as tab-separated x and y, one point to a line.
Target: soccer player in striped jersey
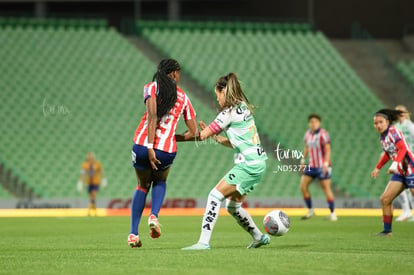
155	146
318	147
236	120
406	126
402	167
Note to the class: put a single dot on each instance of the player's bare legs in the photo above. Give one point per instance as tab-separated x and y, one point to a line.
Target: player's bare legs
326	187
304	187
393	189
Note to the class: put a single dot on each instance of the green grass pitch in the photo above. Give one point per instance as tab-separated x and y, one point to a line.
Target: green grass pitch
98	245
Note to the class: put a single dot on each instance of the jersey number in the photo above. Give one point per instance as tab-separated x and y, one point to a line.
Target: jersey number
163	126
255	136
256	139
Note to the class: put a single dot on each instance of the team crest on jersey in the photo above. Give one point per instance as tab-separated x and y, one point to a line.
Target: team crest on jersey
389	147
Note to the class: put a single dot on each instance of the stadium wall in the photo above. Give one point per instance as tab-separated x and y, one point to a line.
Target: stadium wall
383	18
174	203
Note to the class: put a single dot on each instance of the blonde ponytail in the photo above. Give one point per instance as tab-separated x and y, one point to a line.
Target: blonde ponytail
234	92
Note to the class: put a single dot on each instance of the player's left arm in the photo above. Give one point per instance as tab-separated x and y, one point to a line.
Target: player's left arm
410	128
207	132
327	148
326	143
191	134
402	151
189	115
104	181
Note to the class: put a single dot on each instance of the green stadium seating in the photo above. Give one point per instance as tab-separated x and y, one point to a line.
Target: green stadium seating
221	26
406	68
66	92
69	91
287	75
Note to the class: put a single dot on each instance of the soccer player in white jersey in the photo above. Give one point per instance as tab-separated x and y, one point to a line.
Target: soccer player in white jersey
406	126
318	147
155	147
236	120
402	167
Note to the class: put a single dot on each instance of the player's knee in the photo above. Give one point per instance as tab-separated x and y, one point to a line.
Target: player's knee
231	207
144	185
385	199
303	187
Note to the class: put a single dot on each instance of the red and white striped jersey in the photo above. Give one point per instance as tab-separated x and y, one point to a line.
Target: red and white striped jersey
389	140
167	126
316	141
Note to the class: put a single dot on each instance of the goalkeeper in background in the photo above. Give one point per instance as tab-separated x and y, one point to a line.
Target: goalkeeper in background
93	176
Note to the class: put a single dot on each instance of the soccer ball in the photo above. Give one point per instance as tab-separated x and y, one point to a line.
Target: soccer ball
276	223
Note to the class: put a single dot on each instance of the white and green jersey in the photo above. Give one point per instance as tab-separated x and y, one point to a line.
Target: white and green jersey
407	128
238	123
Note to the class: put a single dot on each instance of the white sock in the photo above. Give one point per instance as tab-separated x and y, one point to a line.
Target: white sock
210	215
243	218
405	204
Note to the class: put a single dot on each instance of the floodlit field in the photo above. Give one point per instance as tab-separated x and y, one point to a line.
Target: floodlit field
98	246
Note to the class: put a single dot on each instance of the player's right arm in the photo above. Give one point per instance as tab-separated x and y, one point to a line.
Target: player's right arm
305	155
223	141
384	158
222	121
82	179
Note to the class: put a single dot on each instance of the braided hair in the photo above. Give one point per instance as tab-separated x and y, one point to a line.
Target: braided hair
166	87
389	114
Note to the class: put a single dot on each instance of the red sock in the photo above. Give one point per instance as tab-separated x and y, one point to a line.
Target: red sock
387	220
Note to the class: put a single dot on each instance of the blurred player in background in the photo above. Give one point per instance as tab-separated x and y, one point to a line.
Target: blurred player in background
236	119
406	126
155	145
318	147
93	176
402	167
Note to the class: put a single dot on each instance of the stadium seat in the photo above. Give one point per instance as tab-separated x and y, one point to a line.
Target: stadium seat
406	68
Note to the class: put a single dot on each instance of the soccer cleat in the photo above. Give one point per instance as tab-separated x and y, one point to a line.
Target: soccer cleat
154	226
133	241
264	240
310	214
384	234
403	217
197	246
411	219
332	217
